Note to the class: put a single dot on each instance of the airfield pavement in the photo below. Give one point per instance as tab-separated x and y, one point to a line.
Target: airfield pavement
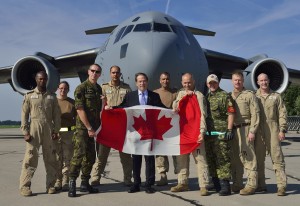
112	192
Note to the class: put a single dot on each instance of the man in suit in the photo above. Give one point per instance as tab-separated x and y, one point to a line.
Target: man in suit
142	96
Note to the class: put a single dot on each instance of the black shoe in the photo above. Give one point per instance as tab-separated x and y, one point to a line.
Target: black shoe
86	187
150	190
134	188
225	188
72	188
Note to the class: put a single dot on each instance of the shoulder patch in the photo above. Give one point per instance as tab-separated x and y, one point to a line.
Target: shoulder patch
78	95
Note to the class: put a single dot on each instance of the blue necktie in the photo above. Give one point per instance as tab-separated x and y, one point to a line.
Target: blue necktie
143	99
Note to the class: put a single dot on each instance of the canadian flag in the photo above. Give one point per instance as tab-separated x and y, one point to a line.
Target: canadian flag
149	130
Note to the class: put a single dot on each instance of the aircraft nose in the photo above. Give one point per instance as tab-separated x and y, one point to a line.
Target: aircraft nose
152	55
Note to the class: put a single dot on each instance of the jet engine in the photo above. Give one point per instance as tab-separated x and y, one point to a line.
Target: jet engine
24	71
275	69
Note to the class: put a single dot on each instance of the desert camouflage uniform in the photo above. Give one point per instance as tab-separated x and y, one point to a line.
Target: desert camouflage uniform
44	114
273	119
218	150
115	96
199	154
88	97
243	154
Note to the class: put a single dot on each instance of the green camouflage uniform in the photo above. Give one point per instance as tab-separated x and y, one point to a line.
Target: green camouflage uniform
88	97
217	150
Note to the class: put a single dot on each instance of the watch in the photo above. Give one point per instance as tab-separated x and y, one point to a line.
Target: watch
89	129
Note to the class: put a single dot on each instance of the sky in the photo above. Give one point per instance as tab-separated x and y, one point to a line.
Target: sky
244	28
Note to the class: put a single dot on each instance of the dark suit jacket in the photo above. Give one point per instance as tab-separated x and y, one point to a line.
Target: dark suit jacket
132	99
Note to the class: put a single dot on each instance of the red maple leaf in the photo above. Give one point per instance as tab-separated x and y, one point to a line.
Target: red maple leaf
152	127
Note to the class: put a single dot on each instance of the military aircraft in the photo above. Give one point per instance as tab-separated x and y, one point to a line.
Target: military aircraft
149	42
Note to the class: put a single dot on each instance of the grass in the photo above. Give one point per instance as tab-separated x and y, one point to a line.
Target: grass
9	126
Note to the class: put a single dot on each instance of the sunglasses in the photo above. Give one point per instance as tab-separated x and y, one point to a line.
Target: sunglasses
95	71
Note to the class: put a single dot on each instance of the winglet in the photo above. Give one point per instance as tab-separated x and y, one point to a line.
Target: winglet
202	32
103	30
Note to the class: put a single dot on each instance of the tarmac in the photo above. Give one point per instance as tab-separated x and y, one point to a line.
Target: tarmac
112	191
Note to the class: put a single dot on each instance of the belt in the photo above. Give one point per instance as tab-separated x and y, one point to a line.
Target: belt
66	129
240	125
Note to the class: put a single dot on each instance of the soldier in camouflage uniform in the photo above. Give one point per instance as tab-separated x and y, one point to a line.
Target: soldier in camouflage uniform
272	129
246	123
167	96
41	108
199	153
114	92
88	103
64	145
217	147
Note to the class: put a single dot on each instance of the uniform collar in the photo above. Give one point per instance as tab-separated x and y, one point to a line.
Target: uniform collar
111	85
38	92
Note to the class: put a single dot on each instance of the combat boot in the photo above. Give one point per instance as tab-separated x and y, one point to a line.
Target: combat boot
247	191
65	183
203	191
95	183
51	190
163	180
225	188
25	191
180	188
281	191
86	187
72	188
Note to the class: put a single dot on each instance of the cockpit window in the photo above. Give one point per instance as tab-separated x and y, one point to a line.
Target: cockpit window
135	19
127	30
181	33
161	27
167	19
119	34
142	27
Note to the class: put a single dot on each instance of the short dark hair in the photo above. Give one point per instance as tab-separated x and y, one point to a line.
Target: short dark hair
115	67
96	65
140	74
165	73
66	83
42	72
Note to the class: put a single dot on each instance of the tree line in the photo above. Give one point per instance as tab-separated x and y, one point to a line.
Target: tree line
292	100
10	122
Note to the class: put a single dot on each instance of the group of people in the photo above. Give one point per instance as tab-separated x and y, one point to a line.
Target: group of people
237	130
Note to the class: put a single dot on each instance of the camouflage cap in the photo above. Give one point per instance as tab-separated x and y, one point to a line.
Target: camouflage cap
212	77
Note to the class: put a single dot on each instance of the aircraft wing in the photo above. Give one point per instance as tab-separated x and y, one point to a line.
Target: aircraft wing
224	65
5	74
